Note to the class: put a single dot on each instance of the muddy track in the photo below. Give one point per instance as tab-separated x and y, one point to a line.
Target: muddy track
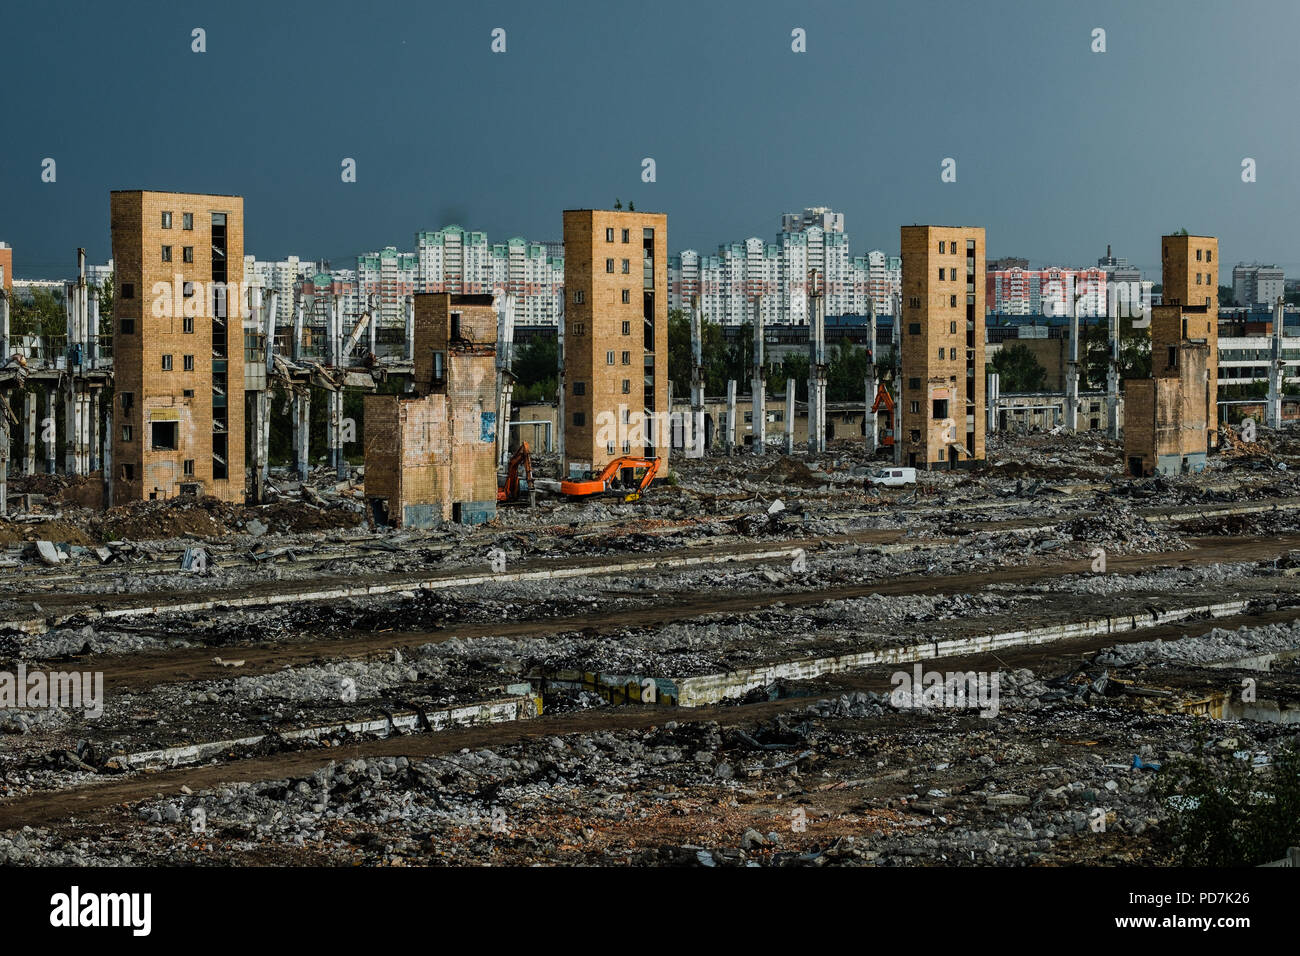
94	802
139	671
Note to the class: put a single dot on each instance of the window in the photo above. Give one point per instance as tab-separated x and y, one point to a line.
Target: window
916	434
127	326
627	299
941	274
187	290
187	221
952	301
627	386
940	408
609	357
942	244
128	472
1198	275
1209	256
166	363
188	393
166	220
579	328
579	419
163	435
188	467
166	253
627	234
627	326
609	448
916	408
952	326
128	290
609	235
952	354
127	434
579	388
913	383
627	358
1198	256
914	301
188	363
940	353
579	297
187	324
609	265
914	328
627	266
128	401
187	253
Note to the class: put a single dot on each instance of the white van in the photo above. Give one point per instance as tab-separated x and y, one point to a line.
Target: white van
893	477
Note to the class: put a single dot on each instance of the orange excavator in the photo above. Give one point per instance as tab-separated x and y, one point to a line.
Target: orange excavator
885	400
523	456
609	479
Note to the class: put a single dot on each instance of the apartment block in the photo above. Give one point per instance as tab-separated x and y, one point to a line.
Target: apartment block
1257	285
1190	273
431	457
941	399
615	337
178	345
1165	424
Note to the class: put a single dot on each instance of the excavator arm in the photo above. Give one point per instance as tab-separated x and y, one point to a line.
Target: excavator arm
601	483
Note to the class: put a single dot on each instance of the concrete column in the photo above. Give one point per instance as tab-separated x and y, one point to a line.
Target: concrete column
4	465
94	440
789	416
730	440
301	412
993	395
108	457
696	447
50	432
1112	373
1277	369
1072	371
71	428
4	326
299	320
336	433
817	371
757	387
29	433
410	329
870	441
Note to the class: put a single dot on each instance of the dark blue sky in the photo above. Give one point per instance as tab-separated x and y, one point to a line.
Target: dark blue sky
1059	150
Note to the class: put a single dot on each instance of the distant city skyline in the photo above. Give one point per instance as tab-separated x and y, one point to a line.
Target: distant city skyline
1058	150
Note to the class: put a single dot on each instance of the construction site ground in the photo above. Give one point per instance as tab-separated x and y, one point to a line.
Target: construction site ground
707	676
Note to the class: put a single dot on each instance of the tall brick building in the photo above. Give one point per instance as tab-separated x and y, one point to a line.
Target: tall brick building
1189	269
615	337
178	345
941	401
6	267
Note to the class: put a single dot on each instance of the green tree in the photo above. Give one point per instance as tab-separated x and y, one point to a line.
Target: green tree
43	314
1134	353
1227	297
535	367
714	353
1018	370
1226	812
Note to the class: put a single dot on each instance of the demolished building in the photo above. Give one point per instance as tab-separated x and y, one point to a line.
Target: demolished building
431	456
1165	423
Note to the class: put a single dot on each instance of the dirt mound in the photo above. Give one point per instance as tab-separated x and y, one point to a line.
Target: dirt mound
57	531
791	471
212	518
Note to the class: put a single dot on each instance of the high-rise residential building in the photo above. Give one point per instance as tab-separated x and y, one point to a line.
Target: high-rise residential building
615	337
6	267
823	217
282	277
941	399
461	262
389	278
1255	284
178	345
812	241
1050	291
1190	274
